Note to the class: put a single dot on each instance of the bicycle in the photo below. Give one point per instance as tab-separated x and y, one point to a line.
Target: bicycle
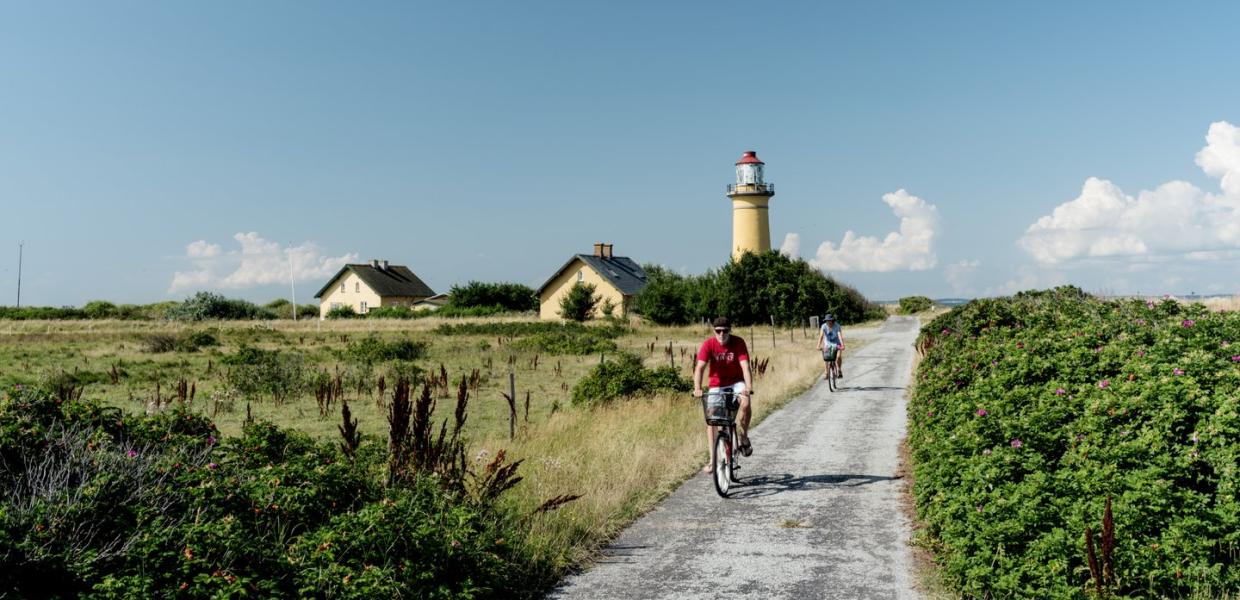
829	356
720	409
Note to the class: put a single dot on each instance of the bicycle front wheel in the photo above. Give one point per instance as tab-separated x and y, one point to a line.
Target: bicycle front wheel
721	459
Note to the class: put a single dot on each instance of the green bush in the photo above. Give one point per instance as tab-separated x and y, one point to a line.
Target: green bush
99	309
205	306
256	373
98	503
342	312
508	296
750	291
624	377
29	313
372	350
579	303
910	305
1029	412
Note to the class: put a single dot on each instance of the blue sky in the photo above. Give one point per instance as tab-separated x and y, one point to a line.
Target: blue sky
148	150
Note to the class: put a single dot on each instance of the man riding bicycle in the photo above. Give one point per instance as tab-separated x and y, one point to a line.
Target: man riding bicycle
728	357
831	343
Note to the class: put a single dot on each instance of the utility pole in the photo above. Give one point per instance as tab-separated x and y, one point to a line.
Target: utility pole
19	273
292	286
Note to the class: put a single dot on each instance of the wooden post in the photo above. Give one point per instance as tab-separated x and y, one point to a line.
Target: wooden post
772	331
512	405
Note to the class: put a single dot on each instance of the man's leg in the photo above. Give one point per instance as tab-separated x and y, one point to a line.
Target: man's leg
710	442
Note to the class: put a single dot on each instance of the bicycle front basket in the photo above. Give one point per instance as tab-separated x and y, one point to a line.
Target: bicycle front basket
716	409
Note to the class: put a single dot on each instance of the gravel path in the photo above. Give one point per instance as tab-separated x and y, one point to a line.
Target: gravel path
817	514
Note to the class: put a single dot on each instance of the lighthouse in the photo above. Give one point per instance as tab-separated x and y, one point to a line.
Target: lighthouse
751	226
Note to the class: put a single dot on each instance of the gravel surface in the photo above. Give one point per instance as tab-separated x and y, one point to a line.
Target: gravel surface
817	514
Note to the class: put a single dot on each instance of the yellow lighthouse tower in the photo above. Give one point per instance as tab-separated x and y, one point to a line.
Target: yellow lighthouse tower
751	227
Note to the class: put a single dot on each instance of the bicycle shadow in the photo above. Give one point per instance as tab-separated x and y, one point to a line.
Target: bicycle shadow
864	388
760	486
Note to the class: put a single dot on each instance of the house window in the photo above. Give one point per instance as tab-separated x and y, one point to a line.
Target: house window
581	276
357	286
341	287
363	311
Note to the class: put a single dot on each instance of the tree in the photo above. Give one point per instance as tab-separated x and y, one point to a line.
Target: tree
508	296
578	304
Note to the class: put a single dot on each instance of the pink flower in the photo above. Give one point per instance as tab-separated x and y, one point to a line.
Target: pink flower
132	454
1060	392
1149	304
1140	321
1188	323
212	466
1017	443
210	440
1141	353
946	331
981	412
18	387
929	413
1104	384
1235	358
1178	371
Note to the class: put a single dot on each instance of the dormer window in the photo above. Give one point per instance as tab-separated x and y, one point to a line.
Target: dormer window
357	286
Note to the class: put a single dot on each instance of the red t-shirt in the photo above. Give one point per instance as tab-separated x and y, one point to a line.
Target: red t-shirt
724	360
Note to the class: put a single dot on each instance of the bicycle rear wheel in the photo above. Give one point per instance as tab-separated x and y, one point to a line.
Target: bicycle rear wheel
721	459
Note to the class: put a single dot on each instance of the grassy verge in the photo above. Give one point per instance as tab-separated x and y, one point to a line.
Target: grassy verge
622	457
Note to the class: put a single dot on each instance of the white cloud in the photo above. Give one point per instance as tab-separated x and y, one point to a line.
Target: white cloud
960	275
1103	224
911	248
791	246
258	262
201	249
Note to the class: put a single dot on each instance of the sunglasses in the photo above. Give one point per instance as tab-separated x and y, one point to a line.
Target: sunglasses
722	330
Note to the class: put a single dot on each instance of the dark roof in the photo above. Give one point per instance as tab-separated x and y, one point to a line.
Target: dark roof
621	271
395	280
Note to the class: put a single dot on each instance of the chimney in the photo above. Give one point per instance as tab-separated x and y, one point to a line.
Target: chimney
374	262
383	265
607	250
598	249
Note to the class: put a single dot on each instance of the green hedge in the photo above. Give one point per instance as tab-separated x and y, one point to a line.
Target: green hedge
1029	412
625	377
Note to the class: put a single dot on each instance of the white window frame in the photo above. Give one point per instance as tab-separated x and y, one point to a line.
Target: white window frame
364	309
581	276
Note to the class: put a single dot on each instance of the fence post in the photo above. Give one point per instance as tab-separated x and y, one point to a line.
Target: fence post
512	405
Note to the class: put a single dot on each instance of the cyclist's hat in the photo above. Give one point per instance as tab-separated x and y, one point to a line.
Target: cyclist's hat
828	317
723	322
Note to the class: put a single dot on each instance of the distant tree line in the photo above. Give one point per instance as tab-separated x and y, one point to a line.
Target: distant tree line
751	291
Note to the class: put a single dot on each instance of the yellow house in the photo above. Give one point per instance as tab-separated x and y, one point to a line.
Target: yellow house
368	286
616	279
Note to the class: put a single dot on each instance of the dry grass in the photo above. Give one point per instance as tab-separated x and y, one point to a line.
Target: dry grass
622	457
1222	304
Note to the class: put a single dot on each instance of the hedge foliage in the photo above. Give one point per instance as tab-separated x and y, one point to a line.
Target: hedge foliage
95	503
507	296
751	291
625	377
1030	411
911	305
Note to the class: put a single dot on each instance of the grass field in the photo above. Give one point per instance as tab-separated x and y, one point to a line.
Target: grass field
620	457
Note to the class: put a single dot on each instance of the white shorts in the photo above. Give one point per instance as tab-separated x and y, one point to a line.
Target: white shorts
735	388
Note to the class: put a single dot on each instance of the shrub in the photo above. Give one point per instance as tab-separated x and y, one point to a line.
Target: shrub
211	306
626	377
187	341
27	313
99	309
342	312
508	296
372	350
255	373
393	312
578	304
1030	411
910	305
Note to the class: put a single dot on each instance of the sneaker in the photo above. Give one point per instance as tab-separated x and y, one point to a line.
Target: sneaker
746	448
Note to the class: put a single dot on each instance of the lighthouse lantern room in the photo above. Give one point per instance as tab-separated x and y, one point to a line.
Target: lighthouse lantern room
751	196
